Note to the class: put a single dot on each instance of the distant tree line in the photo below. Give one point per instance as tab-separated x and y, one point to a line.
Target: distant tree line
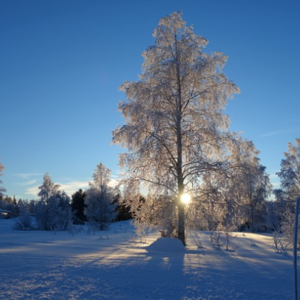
55	210
13	205
238	202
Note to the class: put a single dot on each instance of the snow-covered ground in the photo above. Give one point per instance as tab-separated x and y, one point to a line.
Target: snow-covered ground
116	265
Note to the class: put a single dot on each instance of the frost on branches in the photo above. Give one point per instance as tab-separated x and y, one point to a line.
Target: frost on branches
290	183
231	198
47	189
175	127
290	171
53	211
100	209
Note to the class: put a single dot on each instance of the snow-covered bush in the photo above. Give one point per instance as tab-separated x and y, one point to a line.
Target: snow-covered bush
24	221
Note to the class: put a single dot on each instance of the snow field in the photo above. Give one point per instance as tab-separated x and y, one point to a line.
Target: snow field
116	265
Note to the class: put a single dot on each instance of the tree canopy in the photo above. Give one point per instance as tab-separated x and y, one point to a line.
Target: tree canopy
290	171
48	188
99	207
175	128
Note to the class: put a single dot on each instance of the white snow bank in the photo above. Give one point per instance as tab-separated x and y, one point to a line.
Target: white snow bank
166	245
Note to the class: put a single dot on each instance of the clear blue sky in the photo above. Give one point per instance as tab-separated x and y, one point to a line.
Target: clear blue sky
61	63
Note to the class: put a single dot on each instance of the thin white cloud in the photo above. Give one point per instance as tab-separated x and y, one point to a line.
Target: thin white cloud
32	191
113	183
69	187
280	132
275	180
27	175
276	132
27	183
73	186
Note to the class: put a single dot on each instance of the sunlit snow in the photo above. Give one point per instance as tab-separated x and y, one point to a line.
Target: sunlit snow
115	264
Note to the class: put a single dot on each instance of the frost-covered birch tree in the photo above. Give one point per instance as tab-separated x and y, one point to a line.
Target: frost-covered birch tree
290	183
47	190
231	197
99	199
101	176
175	128
290	171
257	187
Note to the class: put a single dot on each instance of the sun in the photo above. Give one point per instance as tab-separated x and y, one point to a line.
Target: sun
185	198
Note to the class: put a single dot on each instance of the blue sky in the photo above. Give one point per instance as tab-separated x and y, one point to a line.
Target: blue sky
62	63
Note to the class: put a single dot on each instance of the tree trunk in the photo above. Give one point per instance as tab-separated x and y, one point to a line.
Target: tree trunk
252	218
181	214
180	180
181	225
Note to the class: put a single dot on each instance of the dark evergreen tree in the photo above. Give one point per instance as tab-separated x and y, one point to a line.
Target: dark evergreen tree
31	207
78	205
122	208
